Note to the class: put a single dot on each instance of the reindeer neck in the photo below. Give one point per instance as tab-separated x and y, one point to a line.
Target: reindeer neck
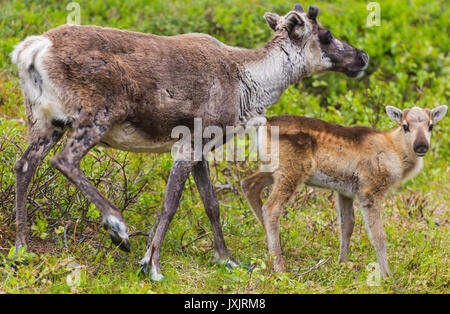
411	164
265	74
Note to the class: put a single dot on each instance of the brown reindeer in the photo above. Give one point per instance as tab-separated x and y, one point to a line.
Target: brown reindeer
128	90
356	162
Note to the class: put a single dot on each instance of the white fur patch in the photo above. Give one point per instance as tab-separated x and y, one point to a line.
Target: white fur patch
112	220
42	95
25	52
25	167
265	80
155	274
128	138
256	122
270	75
414	171
360	74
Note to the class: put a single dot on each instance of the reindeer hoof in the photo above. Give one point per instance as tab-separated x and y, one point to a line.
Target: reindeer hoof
118	232
155	274
228	261
144	269
123	244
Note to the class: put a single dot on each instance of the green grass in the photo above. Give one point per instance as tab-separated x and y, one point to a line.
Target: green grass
409	66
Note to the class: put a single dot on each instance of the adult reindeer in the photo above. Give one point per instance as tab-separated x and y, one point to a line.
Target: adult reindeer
128	90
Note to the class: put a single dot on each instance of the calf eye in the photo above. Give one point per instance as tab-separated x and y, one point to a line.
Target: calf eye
406	127
325	37
431	127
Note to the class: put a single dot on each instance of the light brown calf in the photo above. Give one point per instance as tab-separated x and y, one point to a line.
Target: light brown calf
357	162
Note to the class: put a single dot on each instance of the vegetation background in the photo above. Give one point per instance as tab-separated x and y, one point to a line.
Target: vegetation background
409	66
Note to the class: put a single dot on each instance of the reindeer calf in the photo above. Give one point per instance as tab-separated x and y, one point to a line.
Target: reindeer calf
357	162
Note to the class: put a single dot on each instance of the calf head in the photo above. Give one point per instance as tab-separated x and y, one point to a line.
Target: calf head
417	124
319	50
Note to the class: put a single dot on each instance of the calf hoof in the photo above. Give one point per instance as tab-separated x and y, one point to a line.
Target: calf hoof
20	243
20	258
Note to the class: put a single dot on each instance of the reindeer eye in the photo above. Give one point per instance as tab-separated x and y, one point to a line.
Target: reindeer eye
431	127
406	127
325	37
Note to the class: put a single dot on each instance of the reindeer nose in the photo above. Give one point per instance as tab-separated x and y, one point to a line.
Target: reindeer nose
421	149
363	59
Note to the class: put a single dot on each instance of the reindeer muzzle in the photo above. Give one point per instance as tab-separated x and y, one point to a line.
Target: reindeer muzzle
421	149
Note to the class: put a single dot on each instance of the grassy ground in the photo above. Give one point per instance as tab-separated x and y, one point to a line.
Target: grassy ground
71	253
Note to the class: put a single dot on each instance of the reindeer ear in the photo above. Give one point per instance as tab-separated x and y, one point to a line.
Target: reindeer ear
394	113
438	113
292	20
272	19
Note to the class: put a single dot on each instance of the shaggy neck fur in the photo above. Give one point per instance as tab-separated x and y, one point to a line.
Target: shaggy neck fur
264	79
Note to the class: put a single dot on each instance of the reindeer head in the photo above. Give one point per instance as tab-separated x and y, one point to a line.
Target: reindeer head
315	44
417	124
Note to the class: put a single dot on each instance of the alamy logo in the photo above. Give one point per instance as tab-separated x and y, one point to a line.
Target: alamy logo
73	280
74	16
374	17
374	277
211	143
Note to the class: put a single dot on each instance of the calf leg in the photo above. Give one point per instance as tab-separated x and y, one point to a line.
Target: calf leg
39	146
346	217
178	176
208	195
371	208
283	189
252	188
85	136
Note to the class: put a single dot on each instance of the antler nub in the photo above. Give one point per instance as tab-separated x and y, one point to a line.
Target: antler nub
299	8
313	11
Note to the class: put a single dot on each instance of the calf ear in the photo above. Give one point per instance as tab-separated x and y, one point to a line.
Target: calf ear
394	113
438	113
272	19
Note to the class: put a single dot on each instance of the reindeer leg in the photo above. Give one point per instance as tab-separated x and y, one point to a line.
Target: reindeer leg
86	134
39	146
178	176
371	209
203	180
252	188
346	217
